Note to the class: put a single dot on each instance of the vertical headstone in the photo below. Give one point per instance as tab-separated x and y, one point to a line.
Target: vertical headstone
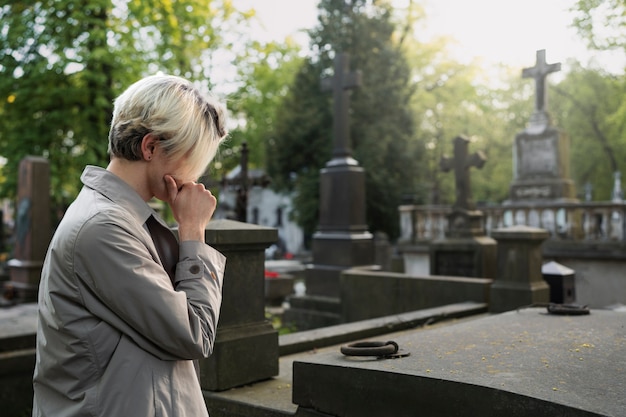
519	279
32	229
466	250
342	240
541	151
246	344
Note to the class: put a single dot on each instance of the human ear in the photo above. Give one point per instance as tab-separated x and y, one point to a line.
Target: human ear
148	144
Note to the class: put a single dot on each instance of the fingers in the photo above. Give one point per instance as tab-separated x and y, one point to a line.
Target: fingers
172	188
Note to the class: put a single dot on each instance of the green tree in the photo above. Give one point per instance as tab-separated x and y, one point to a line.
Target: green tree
382	123
455	99
587	104
62	62
601	22
265	73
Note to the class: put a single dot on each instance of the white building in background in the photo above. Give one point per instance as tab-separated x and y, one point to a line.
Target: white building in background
265	208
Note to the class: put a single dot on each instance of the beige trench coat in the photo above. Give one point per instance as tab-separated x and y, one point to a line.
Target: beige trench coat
115	336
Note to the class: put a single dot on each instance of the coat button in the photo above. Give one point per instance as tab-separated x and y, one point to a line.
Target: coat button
194	269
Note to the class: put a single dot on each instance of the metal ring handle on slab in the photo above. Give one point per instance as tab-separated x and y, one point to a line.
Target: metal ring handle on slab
568	309
371	348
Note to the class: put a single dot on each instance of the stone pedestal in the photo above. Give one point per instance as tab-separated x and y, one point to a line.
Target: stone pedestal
246	346
519	281
541	159
32	230
341	242
465	251
464	257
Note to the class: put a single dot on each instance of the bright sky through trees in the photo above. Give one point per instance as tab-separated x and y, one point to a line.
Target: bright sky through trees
491	31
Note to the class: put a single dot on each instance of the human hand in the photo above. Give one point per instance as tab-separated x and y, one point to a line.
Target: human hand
192	206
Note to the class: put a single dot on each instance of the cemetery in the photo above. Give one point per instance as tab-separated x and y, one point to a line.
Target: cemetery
510	310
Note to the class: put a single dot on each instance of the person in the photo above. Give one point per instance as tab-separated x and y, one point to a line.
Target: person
120	325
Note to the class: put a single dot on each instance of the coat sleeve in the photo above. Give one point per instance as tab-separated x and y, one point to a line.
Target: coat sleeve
121	282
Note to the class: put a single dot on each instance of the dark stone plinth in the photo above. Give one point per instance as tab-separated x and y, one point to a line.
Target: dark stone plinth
18	326
312	312
332	254
525	363
342	198
519	280
466	257
246	345
242	355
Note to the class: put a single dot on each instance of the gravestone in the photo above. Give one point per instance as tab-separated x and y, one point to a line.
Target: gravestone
541	151
32	230
466	250
246	344
342	240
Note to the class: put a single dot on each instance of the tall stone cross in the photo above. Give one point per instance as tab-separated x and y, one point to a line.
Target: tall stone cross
539	72
461	163
243	182
340	84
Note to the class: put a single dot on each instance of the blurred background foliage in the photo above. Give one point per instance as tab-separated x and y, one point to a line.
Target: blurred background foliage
62	63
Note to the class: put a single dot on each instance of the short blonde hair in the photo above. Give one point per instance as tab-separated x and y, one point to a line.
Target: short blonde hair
186	122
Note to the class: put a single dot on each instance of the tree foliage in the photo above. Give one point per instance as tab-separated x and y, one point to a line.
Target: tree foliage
601	22
265	72
62	62
382	124
586	105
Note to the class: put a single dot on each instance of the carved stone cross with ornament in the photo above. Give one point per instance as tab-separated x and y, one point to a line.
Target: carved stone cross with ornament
540	119
461	164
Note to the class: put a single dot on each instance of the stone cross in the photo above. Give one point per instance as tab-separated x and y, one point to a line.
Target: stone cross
461	163
243	182
340	84
539	72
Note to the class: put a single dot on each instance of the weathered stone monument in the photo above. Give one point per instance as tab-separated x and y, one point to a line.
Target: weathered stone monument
32	230
342	240
541	151
465	250
246	344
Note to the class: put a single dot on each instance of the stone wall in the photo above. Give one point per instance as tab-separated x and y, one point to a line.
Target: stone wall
370	294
